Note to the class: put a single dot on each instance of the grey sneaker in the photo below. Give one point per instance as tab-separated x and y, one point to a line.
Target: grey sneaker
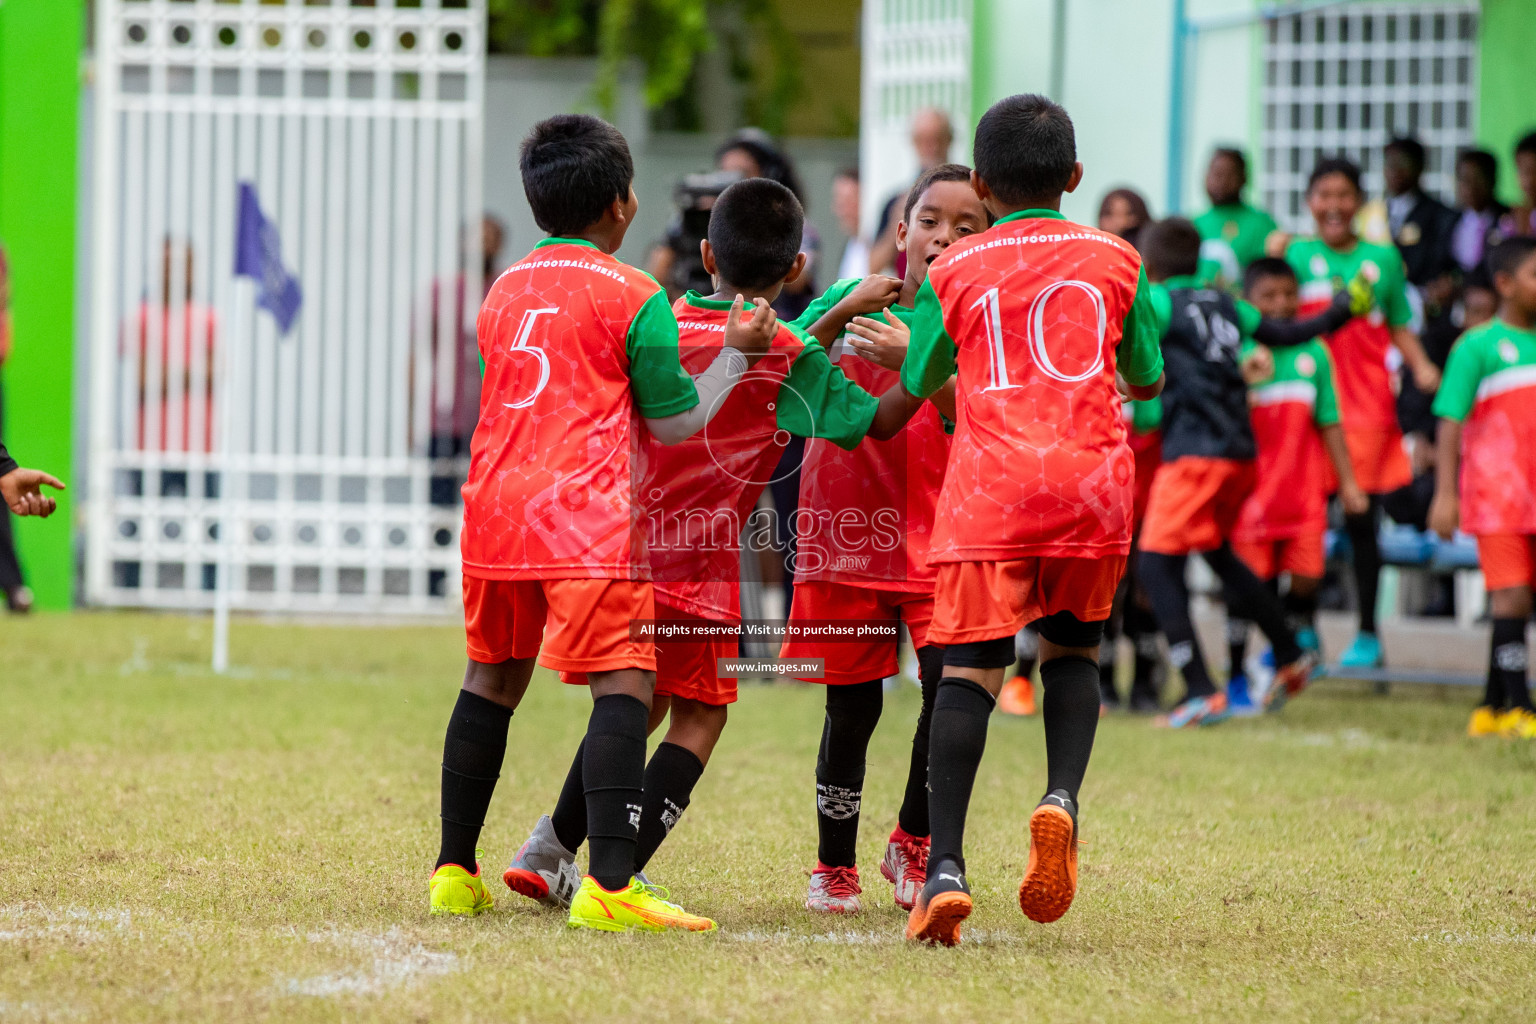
544	870
834	890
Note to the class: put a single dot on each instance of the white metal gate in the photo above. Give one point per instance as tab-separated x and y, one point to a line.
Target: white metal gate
359	127
1345	80
915	54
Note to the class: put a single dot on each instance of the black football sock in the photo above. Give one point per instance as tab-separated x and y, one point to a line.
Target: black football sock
1256	599
1493	687
852	712
1510	657
956	740
1070	709
473	751
570	814
1107	692
1162	577
1237	641
669	780
1362	537
613	773
913	817
1300	612
1141	628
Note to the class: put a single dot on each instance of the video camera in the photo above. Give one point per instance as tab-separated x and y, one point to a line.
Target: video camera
694	196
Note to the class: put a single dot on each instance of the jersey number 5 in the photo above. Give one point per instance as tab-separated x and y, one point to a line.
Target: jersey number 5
520	344
992	317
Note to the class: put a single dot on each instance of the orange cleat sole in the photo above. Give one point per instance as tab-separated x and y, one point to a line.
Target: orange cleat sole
938	921
526	883
1050	880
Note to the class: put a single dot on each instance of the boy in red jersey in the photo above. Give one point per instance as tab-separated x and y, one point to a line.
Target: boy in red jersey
1301	450
1208	462
1036	315
1367	405
1487	440
698	495
578	348
863	528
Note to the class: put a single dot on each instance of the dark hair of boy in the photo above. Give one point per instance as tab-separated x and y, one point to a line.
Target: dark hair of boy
754	231
925	181
1335	165
573	167
1266	267
851	172
1486	163
1526	146
1236	156
1411	148
1508	255
1025	149
1170	248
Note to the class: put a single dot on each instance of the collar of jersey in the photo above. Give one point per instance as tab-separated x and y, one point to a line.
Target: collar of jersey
563	241
1023	214
1184	281
698	301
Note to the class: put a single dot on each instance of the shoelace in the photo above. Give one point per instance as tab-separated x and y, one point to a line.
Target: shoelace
659	892
841	882
916	852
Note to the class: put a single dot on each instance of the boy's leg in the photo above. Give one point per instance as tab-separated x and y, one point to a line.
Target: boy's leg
957	738
674	769
613	772
473	750
1162	577
913	817
1257	600
1511	610
1109	696
1069	675
1362	532
853	710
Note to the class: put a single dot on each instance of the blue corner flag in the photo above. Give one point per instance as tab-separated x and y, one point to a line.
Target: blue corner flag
258	255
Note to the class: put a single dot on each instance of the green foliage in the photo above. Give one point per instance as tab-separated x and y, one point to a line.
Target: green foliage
666	37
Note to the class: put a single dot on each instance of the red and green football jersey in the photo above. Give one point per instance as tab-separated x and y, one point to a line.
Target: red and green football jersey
577	347
866	514
1290	497
1490	385
700	493
1034	314
1360	348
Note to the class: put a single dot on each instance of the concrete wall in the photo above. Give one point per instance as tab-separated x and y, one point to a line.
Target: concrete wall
521	91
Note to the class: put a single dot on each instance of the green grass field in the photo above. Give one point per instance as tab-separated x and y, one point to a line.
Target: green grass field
178	846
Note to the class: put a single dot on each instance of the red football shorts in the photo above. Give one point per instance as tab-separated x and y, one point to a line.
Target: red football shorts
1195	503
1299	556
1508	560
686	665
976	601
856	661
571	625
1376	454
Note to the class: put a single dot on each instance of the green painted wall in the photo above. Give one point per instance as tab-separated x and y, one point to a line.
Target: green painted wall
40	43
1506	107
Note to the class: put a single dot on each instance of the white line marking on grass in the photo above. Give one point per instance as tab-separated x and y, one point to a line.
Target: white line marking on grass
29	923
1490	939
894	937
397	961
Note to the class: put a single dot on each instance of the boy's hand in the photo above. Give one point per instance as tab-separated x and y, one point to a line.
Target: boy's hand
1354	500
1258	366
1445	515
884	344
874	293
751	337
21	489
1426	376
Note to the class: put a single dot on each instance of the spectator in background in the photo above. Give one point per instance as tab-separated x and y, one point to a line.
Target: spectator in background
932	137
1421	226
1124	212
1233	233
1522	219
845	207
178	409
1477	179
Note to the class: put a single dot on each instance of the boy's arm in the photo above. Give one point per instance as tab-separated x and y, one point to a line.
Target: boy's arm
931	351
885	343
1399	313
825	318
1284	333
21	489
1350	495
1445	510
1426	375
1139	356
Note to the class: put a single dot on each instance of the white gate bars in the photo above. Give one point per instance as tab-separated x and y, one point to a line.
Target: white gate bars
915	54
359	127
1344	80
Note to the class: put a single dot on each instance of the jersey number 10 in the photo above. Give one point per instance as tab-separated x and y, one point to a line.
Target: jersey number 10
992	317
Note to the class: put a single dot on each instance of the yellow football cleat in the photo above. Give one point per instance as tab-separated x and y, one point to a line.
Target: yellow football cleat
638	908
1519	724
455	891
1485	721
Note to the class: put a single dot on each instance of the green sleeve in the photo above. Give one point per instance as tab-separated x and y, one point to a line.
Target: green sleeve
817	400
931	351
824	302
661	386
1146	416
1139	356
1248	318
1325	411
1393	293
1463	374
